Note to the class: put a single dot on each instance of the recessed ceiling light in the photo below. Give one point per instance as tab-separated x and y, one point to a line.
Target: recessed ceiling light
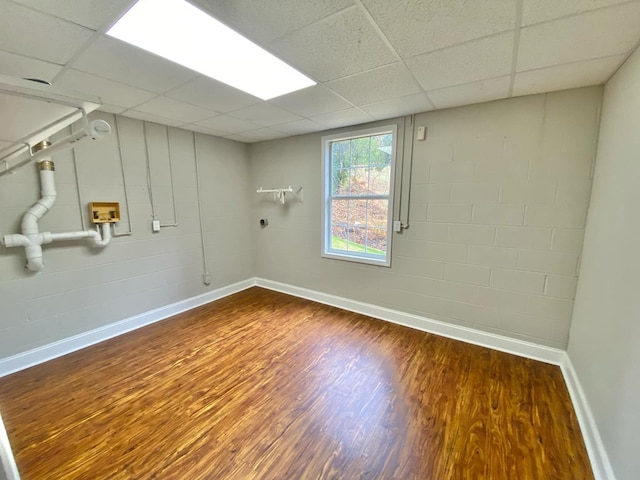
182	33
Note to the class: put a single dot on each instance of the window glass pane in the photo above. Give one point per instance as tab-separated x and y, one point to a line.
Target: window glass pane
380	180
359	181
340	154
378	211
377	241
339	224
340	181
381	150
357	228
360	151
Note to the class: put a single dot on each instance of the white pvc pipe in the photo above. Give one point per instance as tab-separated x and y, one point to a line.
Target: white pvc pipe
42	206
32	240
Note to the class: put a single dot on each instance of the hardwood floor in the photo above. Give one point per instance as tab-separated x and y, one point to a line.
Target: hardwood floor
261	385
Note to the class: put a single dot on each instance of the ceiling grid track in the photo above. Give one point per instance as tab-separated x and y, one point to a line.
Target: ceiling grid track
516	44
391	48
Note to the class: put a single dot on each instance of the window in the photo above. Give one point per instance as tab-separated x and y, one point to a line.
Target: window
358	195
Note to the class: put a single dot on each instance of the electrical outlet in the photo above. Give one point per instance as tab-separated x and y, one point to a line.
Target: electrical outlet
155	225
206	279
397	226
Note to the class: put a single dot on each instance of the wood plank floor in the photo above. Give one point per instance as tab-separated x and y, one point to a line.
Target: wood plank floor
261	385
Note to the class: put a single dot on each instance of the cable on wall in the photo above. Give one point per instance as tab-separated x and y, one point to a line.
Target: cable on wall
124	183
206	276
405	184
173	195
148	168
150	183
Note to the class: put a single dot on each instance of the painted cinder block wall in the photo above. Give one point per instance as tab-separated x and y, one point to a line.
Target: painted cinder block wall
499	196
605	330
82	288
498	200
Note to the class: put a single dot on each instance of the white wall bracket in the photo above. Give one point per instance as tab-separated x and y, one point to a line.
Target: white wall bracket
280	194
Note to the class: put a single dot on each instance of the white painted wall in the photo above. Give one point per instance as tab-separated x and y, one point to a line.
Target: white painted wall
499	197
81	288
605	330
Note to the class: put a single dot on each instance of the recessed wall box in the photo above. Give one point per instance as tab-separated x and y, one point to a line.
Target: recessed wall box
104	212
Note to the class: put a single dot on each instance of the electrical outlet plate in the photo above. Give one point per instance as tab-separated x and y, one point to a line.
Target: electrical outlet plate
104	212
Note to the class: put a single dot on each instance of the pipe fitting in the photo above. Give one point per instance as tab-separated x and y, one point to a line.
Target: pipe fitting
47	165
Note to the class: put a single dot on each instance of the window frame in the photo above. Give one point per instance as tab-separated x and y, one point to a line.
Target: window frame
358	257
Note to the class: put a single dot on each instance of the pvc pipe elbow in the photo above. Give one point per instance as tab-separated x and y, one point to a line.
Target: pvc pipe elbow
105	238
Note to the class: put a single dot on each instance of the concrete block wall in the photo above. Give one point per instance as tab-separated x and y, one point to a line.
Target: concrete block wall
499	196
82	288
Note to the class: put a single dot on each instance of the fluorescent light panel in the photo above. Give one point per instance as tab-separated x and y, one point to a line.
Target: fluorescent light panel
182	33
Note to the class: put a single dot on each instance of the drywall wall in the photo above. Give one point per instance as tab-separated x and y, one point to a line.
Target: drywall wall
605	330
499	195
82	288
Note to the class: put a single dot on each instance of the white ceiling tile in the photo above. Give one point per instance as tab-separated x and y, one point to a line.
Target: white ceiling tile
376	85
299	127
536	11
124	63
486	58
225	123
311	101
109	91
350	116
265	114
263	134
147	117
36	35
180	111
237	138
334	47
601	33
211	94
266	21
25	67
470	93
200	129
105	107
570	75
88	13
419	26
398	107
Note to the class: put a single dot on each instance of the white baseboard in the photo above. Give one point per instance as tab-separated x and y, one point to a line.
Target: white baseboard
599	460
600	464
42	354
456	332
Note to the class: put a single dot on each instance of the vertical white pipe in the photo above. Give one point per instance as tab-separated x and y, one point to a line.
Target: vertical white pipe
47	198
206	275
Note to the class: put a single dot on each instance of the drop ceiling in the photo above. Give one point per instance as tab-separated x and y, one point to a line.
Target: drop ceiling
372	59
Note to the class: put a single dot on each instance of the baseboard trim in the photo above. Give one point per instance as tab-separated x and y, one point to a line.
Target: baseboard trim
57	349
600	464
469	335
